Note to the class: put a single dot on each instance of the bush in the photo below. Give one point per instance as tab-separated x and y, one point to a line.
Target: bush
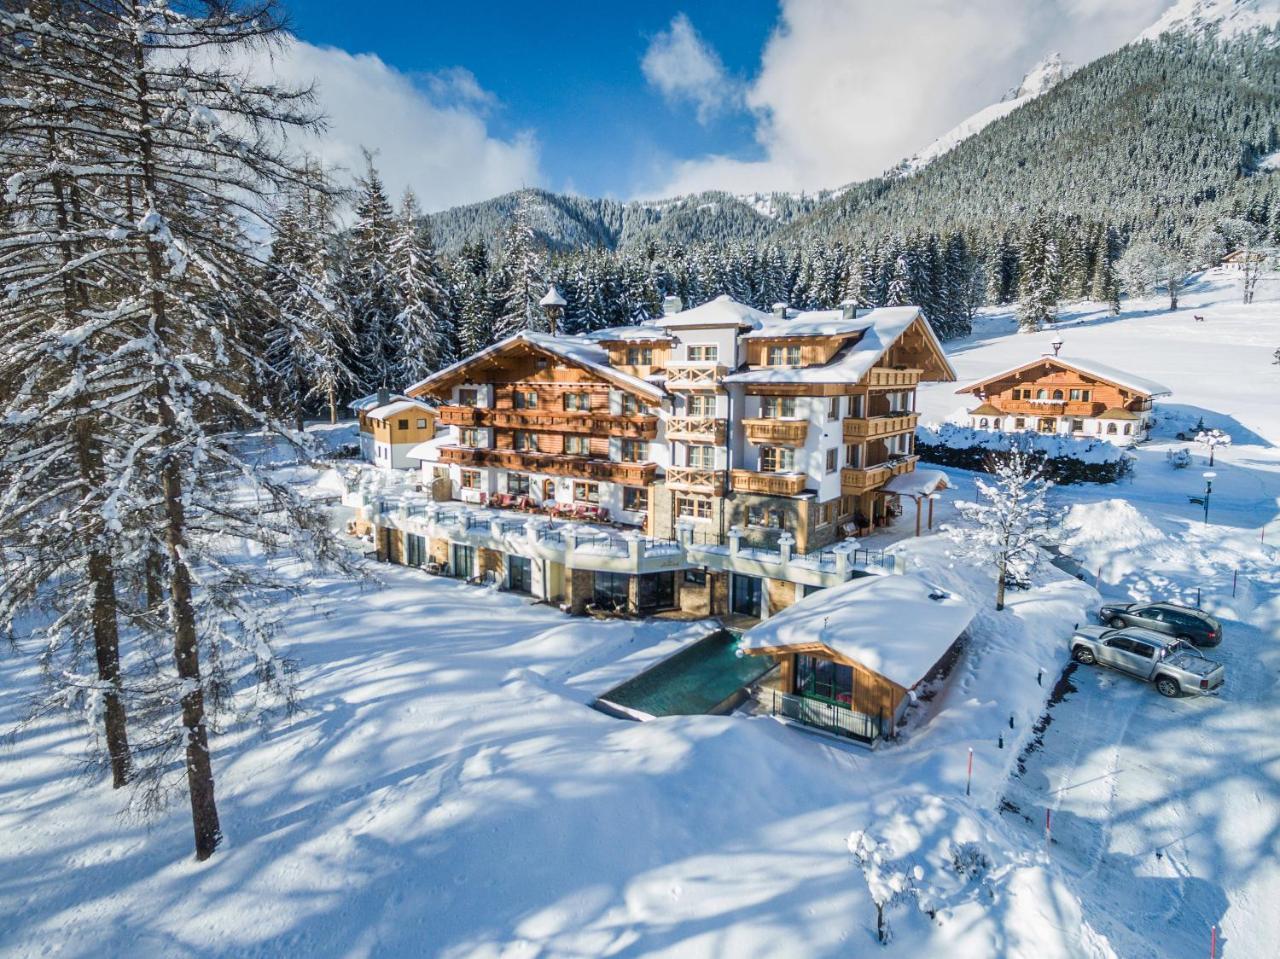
1179	459
1067	459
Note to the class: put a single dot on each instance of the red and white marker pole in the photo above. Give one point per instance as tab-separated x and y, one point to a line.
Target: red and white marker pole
968	784
1048	826
1213	942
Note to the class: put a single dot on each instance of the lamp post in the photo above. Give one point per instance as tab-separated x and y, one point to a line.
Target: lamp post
553	305
1056	344
1208	491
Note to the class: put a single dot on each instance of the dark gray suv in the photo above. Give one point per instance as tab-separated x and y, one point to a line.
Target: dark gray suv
1191	625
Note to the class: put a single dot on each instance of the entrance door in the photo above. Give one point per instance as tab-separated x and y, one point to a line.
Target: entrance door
548	492
1048	424
464	561
746	595
519	574
657	591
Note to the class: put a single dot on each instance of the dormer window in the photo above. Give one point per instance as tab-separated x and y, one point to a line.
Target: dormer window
703	353
784	356
640	356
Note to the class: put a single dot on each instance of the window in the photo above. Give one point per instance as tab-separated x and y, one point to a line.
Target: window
765	517
471	437
1078	395
983	423
640	356
635	451
823	679
470	479
833	460
702	457
577	401
853	455
1057	394
468	397
402	424
524	440
695	577
1128	429
693	507
1019	423
518	484
827	515
610	590
415	550
422	423
899	445
631	406
700	404
783	356
703	353
1077	426
773	407
833	408
524	400
577	445
635	499
1111	429
1042	394
777	459
586	492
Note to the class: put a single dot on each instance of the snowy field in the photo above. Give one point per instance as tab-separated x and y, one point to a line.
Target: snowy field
448	792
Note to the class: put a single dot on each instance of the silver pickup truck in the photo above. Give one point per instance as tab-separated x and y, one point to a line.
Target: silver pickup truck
1173	665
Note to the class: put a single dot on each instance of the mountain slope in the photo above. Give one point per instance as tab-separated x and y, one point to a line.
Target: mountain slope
1224	19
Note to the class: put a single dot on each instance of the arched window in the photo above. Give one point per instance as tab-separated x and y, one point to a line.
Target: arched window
1128	429
1057	394
1111	429
982	423
1042	394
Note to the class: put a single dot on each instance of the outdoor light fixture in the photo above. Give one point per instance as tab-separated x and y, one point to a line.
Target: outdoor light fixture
1208	492
1056	344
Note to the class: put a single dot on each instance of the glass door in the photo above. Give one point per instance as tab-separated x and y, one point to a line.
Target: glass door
747	593
464	561
519	574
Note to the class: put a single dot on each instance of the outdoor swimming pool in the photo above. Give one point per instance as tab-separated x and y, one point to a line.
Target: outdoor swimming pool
705	678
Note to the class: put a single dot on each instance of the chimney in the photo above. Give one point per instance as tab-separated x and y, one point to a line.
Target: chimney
849	309
672	305
384	396
780	310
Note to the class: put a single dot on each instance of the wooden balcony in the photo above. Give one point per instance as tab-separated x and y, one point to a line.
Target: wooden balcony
696	429
768	484
579	467
633	426
459	415
1050	407
854	480
695	376
875	426
880	377
765	430
694	479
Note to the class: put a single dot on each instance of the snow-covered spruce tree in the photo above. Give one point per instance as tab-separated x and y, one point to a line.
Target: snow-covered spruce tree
184	150
1038	279
59	389
899	289
423	332
1011	520
523	273
371	282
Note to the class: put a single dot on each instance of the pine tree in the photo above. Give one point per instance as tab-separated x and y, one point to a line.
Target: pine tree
524	279
1038	279
371	281
423	334
899	290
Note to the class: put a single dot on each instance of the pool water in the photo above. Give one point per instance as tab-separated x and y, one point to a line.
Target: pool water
697	680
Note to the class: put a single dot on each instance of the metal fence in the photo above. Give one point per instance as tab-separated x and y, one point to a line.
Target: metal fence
829	717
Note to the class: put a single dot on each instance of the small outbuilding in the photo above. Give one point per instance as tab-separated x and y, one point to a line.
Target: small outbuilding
850	655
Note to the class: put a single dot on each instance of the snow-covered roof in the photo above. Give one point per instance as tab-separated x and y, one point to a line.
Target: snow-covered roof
372	401
642	333
881	327
430	449
916	483
722	311
576	349
552	297
892	624
814	323
399	406
1102	371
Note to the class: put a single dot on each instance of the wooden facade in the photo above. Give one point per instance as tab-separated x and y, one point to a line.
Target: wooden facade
873	694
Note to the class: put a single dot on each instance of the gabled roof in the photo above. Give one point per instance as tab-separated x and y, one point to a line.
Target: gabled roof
576	350
372	401
643	333
398	406
1099	371
722	311
896	625
1118	413
986	409
881	328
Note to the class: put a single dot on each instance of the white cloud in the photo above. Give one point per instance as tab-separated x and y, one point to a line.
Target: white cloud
431	134
847	88
684	68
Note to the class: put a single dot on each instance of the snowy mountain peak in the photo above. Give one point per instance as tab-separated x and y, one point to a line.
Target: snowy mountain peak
1045	75
1223	18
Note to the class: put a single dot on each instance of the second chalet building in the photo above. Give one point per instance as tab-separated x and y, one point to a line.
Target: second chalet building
737	446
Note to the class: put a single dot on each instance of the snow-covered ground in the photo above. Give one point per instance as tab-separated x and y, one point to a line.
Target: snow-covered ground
448	792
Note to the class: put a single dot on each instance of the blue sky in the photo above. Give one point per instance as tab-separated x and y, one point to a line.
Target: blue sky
644	100
573	75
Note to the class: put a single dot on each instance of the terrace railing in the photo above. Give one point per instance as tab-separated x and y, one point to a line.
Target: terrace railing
819	714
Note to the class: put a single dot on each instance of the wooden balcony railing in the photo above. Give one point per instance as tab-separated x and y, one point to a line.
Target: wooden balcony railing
874	426
1051	407
695	479
880	377
769	484
765	430
698	429
634	426
854	480
579	467
703	375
